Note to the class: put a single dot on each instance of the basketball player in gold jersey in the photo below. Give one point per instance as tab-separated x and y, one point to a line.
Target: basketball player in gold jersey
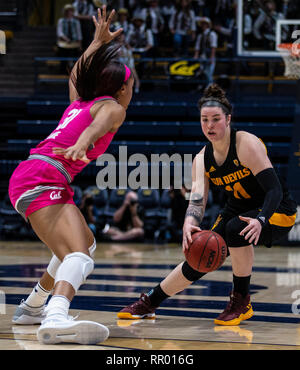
259	208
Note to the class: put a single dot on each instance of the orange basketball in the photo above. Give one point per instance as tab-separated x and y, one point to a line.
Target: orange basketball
207	252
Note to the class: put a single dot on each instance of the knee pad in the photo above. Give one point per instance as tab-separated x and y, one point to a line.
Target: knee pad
55	262
53	266
191	274
74	269
233	237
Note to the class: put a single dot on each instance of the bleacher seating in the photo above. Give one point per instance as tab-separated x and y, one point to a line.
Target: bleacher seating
162	119
156	73
161	129
178	130
154	205
12	225
10	221
100	202
176	111
115	200
77	195
275	149
8	19
183	133
163	122
149	199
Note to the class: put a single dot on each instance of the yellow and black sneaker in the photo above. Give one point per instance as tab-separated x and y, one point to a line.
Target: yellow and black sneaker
141	309
237	310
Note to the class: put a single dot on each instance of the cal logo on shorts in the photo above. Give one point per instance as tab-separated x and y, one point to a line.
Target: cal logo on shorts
55	195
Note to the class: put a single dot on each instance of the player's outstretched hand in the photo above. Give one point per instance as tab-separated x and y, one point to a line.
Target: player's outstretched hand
102	25
73	152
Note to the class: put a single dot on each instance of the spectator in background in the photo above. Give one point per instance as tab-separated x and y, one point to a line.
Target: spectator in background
153	20
139	38
248	27
128	221
99	3
225	28
122	21
116	4
220	11
126	57
84	12
136	6
200	8
264	27
167	9
69	36
183	27
205	47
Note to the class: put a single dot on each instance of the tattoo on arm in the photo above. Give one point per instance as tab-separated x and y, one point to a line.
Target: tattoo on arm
196	208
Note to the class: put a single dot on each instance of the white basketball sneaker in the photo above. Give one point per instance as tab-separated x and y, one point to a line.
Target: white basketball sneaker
54	331
27	315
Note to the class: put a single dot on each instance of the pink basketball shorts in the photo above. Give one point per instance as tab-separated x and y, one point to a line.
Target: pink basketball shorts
36	184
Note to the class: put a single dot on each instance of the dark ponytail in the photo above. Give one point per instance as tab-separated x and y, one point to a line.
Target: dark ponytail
215	96
100	74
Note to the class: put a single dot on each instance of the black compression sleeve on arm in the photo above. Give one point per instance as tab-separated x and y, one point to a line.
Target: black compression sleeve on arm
270	183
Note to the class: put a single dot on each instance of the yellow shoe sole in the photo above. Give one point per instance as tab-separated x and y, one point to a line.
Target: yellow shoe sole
237	321
129	316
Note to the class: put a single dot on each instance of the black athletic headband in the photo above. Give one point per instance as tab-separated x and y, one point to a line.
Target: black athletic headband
216	103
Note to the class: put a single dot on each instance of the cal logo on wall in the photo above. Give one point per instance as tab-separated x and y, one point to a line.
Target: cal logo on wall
183	68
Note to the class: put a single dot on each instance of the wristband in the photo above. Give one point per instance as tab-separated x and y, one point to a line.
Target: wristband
262	220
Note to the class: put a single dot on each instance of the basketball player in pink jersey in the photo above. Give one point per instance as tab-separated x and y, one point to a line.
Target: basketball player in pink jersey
100	91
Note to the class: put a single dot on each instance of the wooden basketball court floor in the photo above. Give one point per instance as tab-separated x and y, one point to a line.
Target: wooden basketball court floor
185	322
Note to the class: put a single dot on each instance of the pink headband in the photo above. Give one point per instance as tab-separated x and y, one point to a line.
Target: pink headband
127	73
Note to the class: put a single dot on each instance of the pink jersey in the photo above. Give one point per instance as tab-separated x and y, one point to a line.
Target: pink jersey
75	120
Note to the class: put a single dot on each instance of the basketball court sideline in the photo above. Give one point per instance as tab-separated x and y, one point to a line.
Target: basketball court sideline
185	322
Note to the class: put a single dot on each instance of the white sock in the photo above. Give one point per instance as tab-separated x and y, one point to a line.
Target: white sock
38	296
58	307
